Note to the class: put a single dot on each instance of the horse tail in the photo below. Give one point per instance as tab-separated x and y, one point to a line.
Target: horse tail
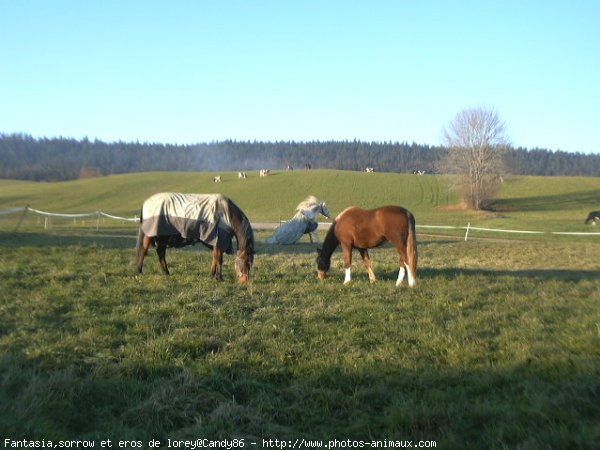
139	247
411	246
140	236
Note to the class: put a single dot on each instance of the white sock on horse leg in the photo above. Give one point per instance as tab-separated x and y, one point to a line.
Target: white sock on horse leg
401	274
411	277
348	277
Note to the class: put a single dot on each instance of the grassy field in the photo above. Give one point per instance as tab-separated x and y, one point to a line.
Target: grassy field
498	346
524	203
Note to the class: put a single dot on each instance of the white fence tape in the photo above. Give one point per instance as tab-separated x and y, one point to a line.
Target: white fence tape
95	214
12	211
468	228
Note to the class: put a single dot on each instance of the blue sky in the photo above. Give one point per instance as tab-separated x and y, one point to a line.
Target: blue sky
201	71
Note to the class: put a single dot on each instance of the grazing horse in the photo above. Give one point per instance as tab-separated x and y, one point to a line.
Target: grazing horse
365	229
177	220
303	222
593	217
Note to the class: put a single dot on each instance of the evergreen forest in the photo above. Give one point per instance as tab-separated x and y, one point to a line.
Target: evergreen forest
58	159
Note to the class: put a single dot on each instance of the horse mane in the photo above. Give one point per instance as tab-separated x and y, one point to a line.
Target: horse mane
330	243
309	201
243	232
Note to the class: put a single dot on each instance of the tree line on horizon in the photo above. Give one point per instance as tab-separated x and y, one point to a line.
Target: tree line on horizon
59	159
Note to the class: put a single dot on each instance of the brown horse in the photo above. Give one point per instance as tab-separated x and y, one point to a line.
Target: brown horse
177	220
360	229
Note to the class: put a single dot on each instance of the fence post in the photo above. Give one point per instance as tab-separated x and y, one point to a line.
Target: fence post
21	218
467	233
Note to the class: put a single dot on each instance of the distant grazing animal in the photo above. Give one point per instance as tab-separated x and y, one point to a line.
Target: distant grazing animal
242	175
265	172
363	229
593	217
177	220
288	168
369	170
217	179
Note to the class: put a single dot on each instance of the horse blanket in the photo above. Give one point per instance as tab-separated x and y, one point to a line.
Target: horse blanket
290	232
194	217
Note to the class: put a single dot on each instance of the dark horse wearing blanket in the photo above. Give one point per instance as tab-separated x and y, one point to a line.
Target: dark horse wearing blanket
593	217
177	220
360	229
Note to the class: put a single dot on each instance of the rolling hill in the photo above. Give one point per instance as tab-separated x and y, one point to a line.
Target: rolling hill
542	203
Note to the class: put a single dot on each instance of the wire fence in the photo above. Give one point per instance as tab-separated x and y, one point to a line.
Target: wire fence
96	218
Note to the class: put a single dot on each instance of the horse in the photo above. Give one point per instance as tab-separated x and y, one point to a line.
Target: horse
303	222
593	217
177	220
364	229
217	179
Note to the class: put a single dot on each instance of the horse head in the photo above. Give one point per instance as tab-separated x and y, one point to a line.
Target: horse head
323	264
243	264
324	210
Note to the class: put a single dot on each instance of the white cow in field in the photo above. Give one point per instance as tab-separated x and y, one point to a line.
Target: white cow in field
242	175
265	172
369	170
217	179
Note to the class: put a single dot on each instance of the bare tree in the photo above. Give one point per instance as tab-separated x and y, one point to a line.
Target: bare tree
476	143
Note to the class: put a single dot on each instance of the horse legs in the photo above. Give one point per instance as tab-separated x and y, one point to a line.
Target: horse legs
368	264
347	263
404	267
216	269
144	243
161	250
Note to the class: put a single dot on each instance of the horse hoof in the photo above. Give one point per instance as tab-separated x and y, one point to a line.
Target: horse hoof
321	275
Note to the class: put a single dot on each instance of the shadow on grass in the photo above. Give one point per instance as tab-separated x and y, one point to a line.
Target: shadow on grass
571	200
542	274
103	238
121	239
537	404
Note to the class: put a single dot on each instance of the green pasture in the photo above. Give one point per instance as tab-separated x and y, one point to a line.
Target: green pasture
498	346
525	203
